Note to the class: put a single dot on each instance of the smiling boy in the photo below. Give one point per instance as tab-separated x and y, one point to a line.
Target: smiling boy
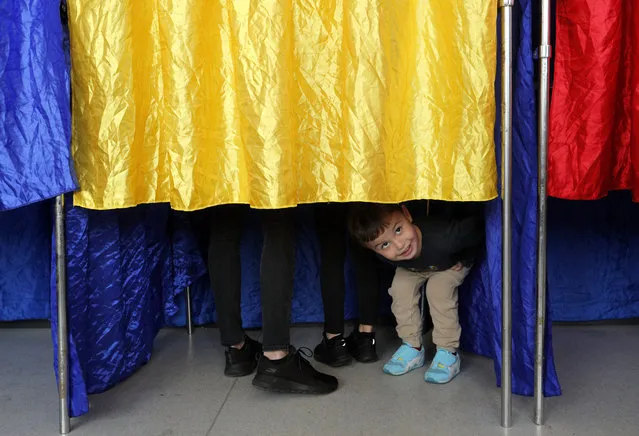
439	251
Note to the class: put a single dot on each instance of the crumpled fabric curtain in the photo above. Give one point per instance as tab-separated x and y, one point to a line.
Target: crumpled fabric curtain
25	252
125	271
593	253
276	103
594	113
35	117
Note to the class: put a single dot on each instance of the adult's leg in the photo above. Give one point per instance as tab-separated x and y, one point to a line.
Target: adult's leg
276	278
367	281
361	342
281	370
226	224
225	271
330	222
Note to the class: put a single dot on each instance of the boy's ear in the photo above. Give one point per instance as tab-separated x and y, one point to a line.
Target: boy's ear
407	214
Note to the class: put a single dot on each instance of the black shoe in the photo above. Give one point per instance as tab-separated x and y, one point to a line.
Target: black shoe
293	374
243	361
362	346
333	351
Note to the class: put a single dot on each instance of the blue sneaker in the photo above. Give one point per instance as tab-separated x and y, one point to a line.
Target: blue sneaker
444	368
405	359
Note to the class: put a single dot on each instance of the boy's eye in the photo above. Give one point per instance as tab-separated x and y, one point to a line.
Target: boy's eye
385	245
398	230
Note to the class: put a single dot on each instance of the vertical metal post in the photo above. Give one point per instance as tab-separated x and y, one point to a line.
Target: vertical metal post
61	286
189	315
506	181
545	52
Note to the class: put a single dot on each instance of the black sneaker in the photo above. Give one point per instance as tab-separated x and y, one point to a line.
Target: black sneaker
243	361
362	346
293	374
333	351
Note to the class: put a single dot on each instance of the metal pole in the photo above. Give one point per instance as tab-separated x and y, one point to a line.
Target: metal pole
544	86
506	181
61	285
189	316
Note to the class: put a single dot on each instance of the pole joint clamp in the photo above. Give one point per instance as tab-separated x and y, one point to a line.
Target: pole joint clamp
544	52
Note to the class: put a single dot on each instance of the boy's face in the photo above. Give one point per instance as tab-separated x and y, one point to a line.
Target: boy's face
400	240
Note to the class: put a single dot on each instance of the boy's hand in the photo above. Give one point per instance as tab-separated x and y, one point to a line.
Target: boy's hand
458	267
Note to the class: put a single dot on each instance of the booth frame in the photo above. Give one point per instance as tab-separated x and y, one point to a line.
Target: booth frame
506	63
545	53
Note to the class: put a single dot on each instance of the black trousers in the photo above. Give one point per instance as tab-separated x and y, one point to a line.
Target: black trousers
276	273
330	222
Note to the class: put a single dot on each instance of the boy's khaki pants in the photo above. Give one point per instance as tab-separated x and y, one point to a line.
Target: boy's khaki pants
441	293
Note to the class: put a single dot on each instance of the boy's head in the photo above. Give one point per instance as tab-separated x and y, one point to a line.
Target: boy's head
387	229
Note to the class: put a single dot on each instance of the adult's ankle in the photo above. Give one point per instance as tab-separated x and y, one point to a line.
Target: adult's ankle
364	328
276	354
239	346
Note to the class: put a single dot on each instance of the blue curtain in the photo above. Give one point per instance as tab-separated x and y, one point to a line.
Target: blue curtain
25	248
35	165
35	115
125	270
593	254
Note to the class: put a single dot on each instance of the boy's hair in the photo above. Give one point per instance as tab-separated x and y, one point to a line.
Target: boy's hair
366	221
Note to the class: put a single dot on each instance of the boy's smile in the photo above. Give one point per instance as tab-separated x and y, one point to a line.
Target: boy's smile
401	239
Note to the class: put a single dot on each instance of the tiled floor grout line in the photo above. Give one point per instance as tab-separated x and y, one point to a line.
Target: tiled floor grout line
228	394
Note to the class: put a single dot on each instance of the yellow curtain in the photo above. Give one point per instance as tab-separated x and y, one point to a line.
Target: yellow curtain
281	102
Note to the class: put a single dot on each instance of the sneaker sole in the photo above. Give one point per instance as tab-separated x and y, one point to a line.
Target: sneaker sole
430	382
396	374
445	382
277	384
240	370
367	359
342	361
363	357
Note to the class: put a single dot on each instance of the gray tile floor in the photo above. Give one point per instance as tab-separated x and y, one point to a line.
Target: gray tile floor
182	392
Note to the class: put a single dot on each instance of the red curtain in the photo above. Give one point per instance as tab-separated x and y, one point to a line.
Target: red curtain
594	113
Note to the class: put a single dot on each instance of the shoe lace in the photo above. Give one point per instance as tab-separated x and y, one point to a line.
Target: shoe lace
303	352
